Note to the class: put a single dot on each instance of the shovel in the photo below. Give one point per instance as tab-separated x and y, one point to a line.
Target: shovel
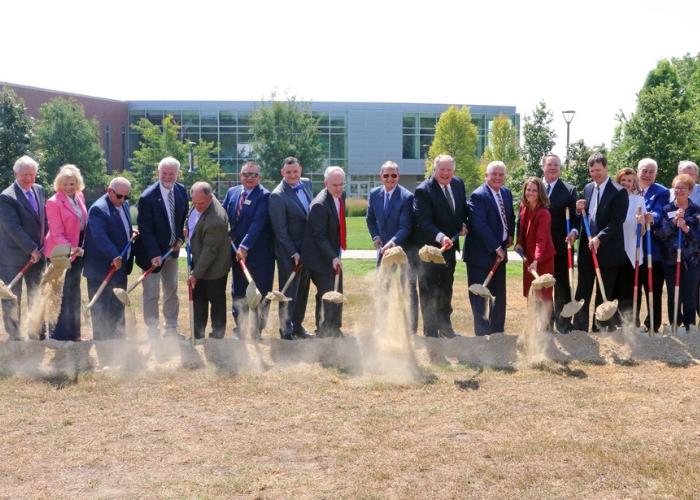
677	289
253	296
650	282
429	253
190	298
608	308
635	290
6	290
481	289
540	282
570	308
60	261
123	295
108	277
334	296
279	296
395	256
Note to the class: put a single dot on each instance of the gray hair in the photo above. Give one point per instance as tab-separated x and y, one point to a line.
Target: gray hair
25	161
68	171
649	162
201	186
687	163
119	181
333	170
443	157
168	161
496	164
389	164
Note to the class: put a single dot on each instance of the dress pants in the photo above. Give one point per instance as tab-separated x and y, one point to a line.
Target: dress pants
11	309
435	282
688	293
108	312
496	320
562	293
584	290
329	316
657	276
167	278
208	292
68	324
624	290
292	313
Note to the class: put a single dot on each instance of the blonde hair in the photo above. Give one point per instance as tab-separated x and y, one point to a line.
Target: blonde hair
66	172
628	171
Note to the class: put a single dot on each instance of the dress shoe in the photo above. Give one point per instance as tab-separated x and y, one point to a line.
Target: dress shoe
448	333
433	335
174	334
286	335
301	333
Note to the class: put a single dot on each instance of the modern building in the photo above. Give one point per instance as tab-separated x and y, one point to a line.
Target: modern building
358	136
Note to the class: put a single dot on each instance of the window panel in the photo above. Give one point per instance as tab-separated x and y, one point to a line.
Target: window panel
155	117
410	147
227	118
410	121
338	120
135	116
338	146
228	145
244	119
210	118
190	118
425	142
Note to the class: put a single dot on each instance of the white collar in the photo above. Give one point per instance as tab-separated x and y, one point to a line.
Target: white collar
389	192
493	190
551	184
603	185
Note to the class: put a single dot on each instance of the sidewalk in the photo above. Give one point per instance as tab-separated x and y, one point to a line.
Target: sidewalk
372	254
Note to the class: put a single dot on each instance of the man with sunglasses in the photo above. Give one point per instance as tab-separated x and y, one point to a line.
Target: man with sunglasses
247	209
390	223
107	233
289	207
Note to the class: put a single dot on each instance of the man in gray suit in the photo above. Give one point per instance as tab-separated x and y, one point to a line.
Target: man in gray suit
22	232
289	207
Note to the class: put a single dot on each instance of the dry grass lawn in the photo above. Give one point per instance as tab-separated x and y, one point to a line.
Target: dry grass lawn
580	430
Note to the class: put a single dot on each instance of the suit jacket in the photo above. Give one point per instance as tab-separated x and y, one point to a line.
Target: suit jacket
211	248
288	219
22	230
656	197
563	195
396	222
433	213
610	216
105	238
534	234
486	226
153	223
322	234
64	224
252	227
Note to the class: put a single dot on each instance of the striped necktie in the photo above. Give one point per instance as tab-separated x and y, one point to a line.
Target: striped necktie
171	206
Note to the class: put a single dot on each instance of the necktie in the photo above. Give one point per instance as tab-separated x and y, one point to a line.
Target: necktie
502	210
32	200
386	200
301	194
241	200
549	190
450	200
343	232
171	205
594	211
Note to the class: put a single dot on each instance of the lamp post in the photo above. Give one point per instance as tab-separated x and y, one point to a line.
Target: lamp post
568	117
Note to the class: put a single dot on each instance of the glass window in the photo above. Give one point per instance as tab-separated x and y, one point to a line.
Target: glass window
190	118
410	147
410	122
243	119
338	146
210	118
338	120
135	116
177	115
227	118
210	138
228	145
155	117
425	142
428	120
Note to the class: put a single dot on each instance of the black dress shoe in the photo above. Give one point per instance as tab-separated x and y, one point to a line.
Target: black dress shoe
286	335
430	334
301	333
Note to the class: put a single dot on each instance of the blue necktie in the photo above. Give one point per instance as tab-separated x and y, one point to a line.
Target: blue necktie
301	194
32	200
387	197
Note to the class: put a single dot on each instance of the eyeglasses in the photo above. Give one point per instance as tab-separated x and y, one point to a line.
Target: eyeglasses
393	176
120	196
250	174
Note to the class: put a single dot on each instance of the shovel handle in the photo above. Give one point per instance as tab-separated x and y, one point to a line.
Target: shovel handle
244	267
292	275
336	282
21	273
491	272
99	291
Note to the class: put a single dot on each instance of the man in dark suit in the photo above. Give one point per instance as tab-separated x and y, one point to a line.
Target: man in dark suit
247	209
655	198
108	231
289	207
22	232
491	229
390	223
207	232
161	216
325	237
606	204
562	195
440	205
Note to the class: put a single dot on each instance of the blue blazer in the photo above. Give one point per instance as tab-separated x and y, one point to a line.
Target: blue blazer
656	197
486	226
105	238
153	223
397	222
252	228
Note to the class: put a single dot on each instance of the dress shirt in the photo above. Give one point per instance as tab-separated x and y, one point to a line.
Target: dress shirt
192	222
499	201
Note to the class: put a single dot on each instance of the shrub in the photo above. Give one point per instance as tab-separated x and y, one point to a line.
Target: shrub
356	207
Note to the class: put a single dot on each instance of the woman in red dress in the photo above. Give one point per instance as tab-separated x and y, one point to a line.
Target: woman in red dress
535	236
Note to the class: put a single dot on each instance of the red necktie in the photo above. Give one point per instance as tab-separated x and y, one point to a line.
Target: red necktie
241	200
343	233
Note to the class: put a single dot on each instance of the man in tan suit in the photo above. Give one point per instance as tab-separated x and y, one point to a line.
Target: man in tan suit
207	231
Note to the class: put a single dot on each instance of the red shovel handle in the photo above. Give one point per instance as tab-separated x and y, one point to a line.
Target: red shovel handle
26	267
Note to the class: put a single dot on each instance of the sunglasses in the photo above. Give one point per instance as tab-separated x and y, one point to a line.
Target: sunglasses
120	196
249	174
393	176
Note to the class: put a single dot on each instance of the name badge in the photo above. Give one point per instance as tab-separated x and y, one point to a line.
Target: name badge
671	215
247	202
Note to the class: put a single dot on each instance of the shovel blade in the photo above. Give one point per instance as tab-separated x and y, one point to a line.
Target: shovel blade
123	297
481	291
253	296
6	293
606	310
571	308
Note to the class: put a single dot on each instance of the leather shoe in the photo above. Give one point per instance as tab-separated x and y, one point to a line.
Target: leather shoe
430	334
448	333
301	333
286	335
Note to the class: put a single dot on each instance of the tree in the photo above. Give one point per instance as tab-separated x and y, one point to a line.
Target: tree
455	135
661	129
285	128
665	74
156	143
538	139
503	145
577	171
64	135
16	128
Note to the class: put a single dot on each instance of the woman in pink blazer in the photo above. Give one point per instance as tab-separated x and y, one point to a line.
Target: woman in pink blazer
67	216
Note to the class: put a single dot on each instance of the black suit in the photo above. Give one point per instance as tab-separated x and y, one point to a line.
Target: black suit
562	195
320	246
610	215
434	215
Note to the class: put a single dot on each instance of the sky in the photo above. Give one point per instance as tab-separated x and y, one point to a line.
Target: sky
589	56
